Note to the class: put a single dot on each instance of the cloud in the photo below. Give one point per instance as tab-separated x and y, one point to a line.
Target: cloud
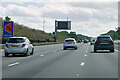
15	10
60	0
93	27
95	5
85	16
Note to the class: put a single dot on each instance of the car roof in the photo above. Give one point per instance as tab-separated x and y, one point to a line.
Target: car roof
70	39
93	37
17	37
104	36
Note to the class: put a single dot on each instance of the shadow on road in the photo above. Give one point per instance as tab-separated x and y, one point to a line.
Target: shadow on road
101	52
17	55
70	49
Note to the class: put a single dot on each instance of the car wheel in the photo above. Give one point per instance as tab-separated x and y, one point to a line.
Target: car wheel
32	51
76	48
13	54
27	53
112	50
95	50
64	48
6	55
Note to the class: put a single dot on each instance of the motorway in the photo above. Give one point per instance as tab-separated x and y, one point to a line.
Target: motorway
51	61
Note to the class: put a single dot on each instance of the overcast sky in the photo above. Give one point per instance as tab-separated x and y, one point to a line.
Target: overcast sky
88	18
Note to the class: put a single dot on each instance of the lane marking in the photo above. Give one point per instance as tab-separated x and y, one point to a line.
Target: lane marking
86	51
101	53
55	51
13	64
77	75
41	55
85	55
116	50
82	64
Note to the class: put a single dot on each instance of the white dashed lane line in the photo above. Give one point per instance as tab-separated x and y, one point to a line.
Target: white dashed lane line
85	55
13	64
77	75
41	55
82	64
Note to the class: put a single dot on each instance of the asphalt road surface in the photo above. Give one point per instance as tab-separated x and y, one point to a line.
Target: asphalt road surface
51	61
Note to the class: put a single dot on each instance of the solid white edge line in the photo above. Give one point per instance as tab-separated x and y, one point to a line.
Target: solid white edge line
116	50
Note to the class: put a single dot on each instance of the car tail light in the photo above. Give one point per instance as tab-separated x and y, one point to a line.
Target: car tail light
95	41
111	41
74	42
23	45
6	45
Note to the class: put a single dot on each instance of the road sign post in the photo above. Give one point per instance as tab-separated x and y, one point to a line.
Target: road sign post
56	25
61	25
8	29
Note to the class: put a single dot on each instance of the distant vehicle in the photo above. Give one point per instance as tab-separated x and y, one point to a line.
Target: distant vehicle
85	41
18	45
70	43
92	40
117	41
79	41
104	42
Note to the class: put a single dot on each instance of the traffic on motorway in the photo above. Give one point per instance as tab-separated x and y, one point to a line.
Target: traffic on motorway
59	39
71	59
22	45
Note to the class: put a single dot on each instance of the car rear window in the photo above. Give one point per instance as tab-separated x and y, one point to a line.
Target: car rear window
16	40
103	39
69	40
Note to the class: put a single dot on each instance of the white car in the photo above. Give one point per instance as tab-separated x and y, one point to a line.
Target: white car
18	45
70	43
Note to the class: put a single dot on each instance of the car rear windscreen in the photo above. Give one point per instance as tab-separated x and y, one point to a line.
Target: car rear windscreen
16	40
69	40
103	39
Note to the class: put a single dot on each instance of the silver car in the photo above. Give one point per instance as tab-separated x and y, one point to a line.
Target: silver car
18	45
70	43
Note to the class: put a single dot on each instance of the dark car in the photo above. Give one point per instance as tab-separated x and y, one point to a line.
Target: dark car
104	42
79	41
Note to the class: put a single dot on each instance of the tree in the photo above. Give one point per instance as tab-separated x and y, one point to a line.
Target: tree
118	32
73	35
7	18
